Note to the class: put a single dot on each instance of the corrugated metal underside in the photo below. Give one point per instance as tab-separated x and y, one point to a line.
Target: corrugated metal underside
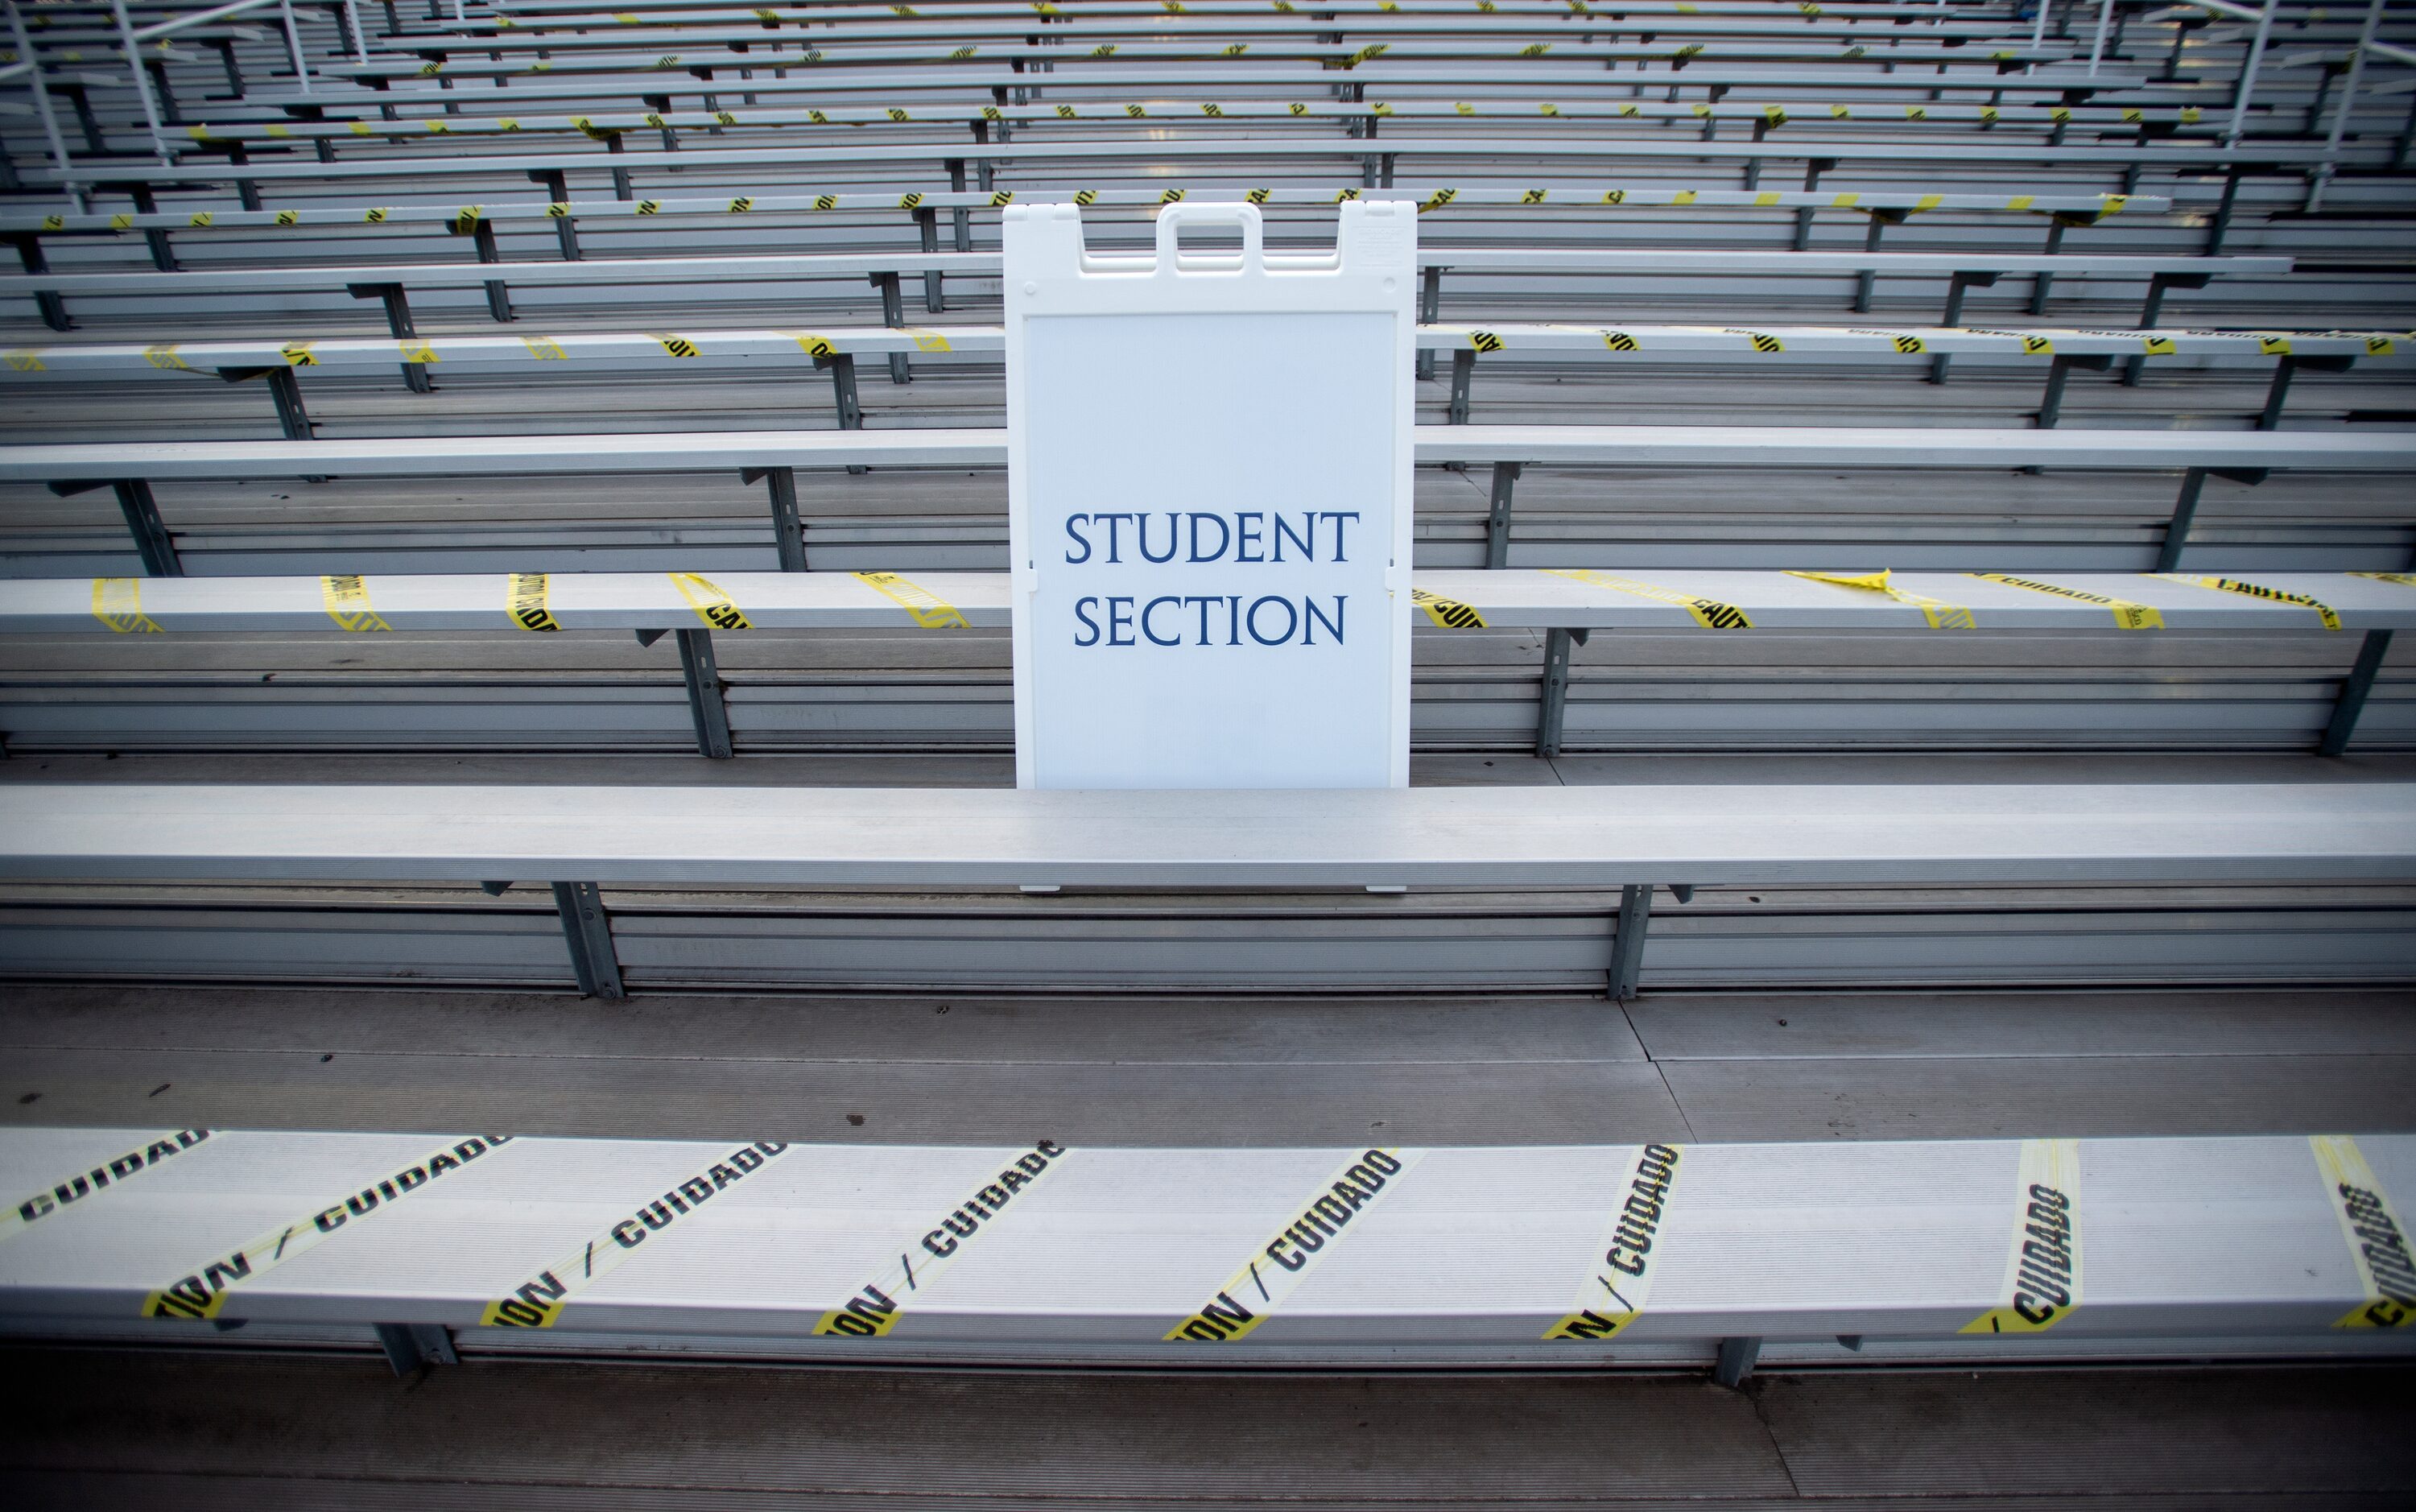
1418	941
926	691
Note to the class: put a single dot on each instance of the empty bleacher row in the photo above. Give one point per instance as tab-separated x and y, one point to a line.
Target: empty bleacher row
1913	500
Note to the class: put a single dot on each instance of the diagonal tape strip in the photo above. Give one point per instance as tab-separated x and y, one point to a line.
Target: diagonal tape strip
2254	590
1709	612
1254	1292
348	603
118	602
2129	615
1617	1292
710	604
1941	615
2041	1284
538	1302
201	1294
877	1306
930	610
2378	1241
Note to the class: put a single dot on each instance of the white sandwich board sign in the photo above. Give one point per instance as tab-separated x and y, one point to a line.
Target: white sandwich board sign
1209	504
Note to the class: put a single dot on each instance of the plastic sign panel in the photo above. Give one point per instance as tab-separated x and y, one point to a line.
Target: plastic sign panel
1208	457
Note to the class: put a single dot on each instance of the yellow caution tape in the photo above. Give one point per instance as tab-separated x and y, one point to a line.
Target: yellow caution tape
1709	612
678	346
930	610
527	599
348	603
1621	1282
2404	578
538	1302
1941	615
27	359
545	348
118	602
57	1196
298	354
1253	1293
1448	613
203	1292
2042	1285
710	604
2378	1242
2128	614
164	356
876	1305
2323	611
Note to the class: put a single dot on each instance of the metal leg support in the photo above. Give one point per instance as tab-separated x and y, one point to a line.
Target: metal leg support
706	697
2059	371
499	294
1463	372
2153	311
557	192
2184	510
1812	172
291	418
842	372
1551	711
1736	1361
788	526
961	216
589	933
1430	311
286	392
2279	394
246	191
2223	208
398	324
151	539
926	221
1867	280
1627	946
1956	287
893	315
2354	689
54	310
409	1346
1497	515
2042	283
163	257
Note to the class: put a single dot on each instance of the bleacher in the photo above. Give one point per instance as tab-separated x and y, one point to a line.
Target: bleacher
502	546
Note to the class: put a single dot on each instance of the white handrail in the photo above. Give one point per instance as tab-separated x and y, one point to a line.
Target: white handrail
2248	74
142	82
199	18
41	93
2322	177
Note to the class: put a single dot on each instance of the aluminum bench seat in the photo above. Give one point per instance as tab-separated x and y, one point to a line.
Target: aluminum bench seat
1041	1252
1507	837
2262	604
772	198
1425	153
1799	447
